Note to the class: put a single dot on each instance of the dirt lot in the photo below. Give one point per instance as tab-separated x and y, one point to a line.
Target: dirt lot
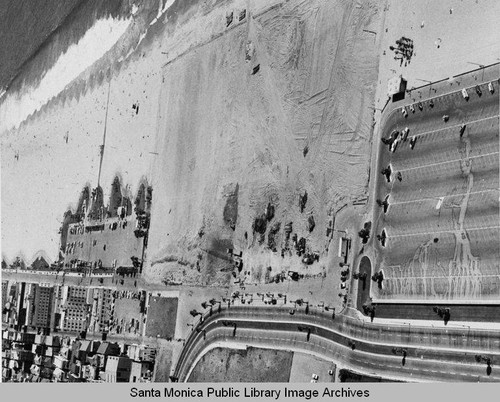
126	310
304	366
250	365
163	362
162	314
231	141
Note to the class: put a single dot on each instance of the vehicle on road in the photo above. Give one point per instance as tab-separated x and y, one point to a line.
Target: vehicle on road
446	118
465	94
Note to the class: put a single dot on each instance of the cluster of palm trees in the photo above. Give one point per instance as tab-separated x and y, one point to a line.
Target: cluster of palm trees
443	313
369	309
378	277
361	277
485	359
210	304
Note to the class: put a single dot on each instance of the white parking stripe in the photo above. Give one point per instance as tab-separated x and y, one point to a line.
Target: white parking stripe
444	196
449	161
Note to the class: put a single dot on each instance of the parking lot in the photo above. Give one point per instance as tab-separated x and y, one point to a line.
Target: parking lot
128	317
442	219
116	241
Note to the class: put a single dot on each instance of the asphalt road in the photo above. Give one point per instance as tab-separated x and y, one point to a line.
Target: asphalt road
458	312
113	282
433	354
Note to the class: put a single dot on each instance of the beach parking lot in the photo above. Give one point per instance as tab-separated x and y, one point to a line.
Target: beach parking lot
442	218
116	241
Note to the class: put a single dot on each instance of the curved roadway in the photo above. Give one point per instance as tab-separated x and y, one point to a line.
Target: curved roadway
446	354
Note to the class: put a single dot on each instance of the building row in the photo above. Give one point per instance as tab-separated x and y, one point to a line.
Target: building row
29	357
46	308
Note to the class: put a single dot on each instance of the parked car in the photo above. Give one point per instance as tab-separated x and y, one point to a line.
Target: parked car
412	108
394	145
405	133
478	90
404	112
465	94
490	88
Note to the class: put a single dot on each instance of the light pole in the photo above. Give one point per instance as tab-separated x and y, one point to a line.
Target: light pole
428	82
468	330
305	329
479	65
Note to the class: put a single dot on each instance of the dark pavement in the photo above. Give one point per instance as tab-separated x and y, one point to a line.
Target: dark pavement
450	350
447	251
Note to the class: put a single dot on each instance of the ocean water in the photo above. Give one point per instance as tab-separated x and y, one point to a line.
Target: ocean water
97	36
42	30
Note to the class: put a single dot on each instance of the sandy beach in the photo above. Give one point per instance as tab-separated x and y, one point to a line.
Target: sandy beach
205	124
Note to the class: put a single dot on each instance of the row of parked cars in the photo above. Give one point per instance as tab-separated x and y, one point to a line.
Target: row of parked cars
465	94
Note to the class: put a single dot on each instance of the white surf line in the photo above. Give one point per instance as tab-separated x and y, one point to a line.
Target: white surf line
437	197
79	56
443	231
